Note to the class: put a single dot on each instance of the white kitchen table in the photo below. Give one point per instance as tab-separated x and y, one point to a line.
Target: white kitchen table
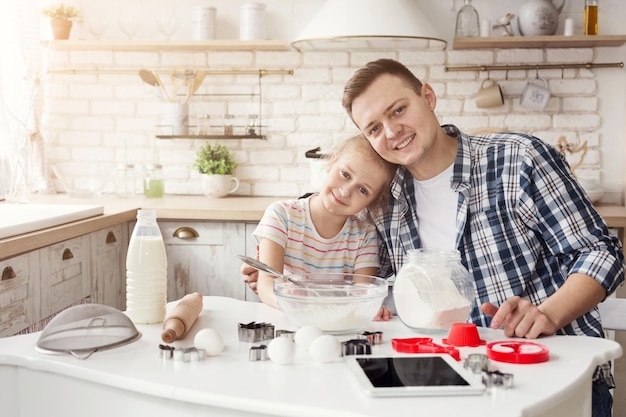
133	380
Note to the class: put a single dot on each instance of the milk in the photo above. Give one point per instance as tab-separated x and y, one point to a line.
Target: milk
146	271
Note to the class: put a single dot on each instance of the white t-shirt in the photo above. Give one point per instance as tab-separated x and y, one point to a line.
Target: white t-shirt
436	211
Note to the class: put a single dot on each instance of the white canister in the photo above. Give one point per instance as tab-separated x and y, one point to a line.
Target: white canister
252	21
203	19
176	118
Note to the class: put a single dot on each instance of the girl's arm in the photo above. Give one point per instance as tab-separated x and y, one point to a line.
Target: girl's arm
273	255
384	313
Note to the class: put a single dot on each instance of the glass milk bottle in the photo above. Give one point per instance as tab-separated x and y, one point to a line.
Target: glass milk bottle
146	271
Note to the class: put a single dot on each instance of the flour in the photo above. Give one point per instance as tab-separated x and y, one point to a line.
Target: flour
429	310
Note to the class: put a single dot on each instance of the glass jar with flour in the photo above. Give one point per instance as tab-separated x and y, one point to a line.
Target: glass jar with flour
433	290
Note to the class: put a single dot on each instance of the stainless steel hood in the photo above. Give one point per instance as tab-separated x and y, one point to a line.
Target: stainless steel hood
368	25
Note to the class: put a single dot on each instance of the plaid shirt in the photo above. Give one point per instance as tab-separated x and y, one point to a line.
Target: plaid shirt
523	225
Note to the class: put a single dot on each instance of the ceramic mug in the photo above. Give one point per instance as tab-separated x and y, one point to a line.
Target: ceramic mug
535	96
489	96
219	185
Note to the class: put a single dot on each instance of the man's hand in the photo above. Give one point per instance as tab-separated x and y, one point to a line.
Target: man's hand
520	318
250	276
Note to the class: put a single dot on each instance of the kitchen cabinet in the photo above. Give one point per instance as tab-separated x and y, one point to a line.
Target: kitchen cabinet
201	257
108	248
508	42
40	283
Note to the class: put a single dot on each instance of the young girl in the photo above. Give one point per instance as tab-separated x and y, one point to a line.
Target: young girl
322	233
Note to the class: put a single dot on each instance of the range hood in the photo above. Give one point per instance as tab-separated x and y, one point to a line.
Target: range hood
368	25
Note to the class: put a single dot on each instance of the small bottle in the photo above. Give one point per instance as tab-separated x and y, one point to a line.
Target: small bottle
146	271
467	22
153	182
125	180
591	17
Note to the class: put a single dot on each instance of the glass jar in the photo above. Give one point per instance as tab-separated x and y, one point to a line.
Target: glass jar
153	181
229	128
125	180
433	290
251	126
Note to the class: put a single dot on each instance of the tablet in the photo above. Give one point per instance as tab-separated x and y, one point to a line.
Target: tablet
413	375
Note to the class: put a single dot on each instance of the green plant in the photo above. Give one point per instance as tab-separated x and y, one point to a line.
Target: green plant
215	159
62	11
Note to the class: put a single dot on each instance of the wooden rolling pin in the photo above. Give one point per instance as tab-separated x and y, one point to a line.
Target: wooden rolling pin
177	323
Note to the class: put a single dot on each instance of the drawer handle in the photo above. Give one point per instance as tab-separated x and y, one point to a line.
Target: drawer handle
186	233
67	254
111	238
8	273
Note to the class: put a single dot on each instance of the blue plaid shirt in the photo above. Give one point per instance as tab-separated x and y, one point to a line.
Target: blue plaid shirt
523	224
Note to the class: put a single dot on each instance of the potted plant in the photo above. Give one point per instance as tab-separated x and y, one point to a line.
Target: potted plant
61	17
217	165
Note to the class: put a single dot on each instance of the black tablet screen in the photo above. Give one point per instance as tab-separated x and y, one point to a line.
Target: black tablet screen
410	372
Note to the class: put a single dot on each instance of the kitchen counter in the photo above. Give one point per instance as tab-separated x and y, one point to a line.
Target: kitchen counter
119	210
173	207
134	380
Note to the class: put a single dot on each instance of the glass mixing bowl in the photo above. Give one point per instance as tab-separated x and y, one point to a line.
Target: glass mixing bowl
335	303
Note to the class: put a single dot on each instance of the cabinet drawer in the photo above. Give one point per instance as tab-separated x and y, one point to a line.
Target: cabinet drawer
108	266
19	293
64	274
182	233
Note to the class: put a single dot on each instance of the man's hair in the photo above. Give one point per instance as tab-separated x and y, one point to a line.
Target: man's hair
367	74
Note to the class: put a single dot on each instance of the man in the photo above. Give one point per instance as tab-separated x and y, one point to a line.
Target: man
540	255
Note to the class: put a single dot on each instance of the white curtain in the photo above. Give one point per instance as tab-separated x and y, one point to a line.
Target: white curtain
22	64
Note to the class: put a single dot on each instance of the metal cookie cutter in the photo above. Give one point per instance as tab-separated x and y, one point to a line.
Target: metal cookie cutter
255	332
167	352
257	353
497	379
477	363
190	354
375	338
356	347
289	334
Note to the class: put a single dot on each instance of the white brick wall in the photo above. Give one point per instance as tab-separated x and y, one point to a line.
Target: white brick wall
94	117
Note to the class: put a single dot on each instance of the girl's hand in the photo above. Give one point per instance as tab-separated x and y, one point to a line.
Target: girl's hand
383	314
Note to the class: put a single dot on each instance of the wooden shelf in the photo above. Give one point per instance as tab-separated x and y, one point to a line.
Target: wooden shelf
509	42
124	45
211	137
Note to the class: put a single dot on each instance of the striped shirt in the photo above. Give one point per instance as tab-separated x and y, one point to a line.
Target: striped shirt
523	225
289	224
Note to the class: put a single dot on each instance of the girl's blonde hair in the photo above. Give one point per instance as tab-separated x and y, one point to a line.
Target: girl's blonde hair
360	144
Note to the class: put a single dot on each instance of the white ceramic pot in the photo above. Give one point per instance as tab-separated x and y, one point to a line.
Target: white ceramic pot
539	17
219	185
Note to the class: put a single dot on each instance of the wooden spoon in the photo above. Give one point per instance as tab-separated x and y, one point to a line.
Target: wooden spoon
151	78
197	81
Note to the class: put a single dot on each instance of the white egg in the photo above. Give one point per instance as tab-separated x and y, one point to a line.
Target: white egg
305	335
325	348
281	350
210	340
